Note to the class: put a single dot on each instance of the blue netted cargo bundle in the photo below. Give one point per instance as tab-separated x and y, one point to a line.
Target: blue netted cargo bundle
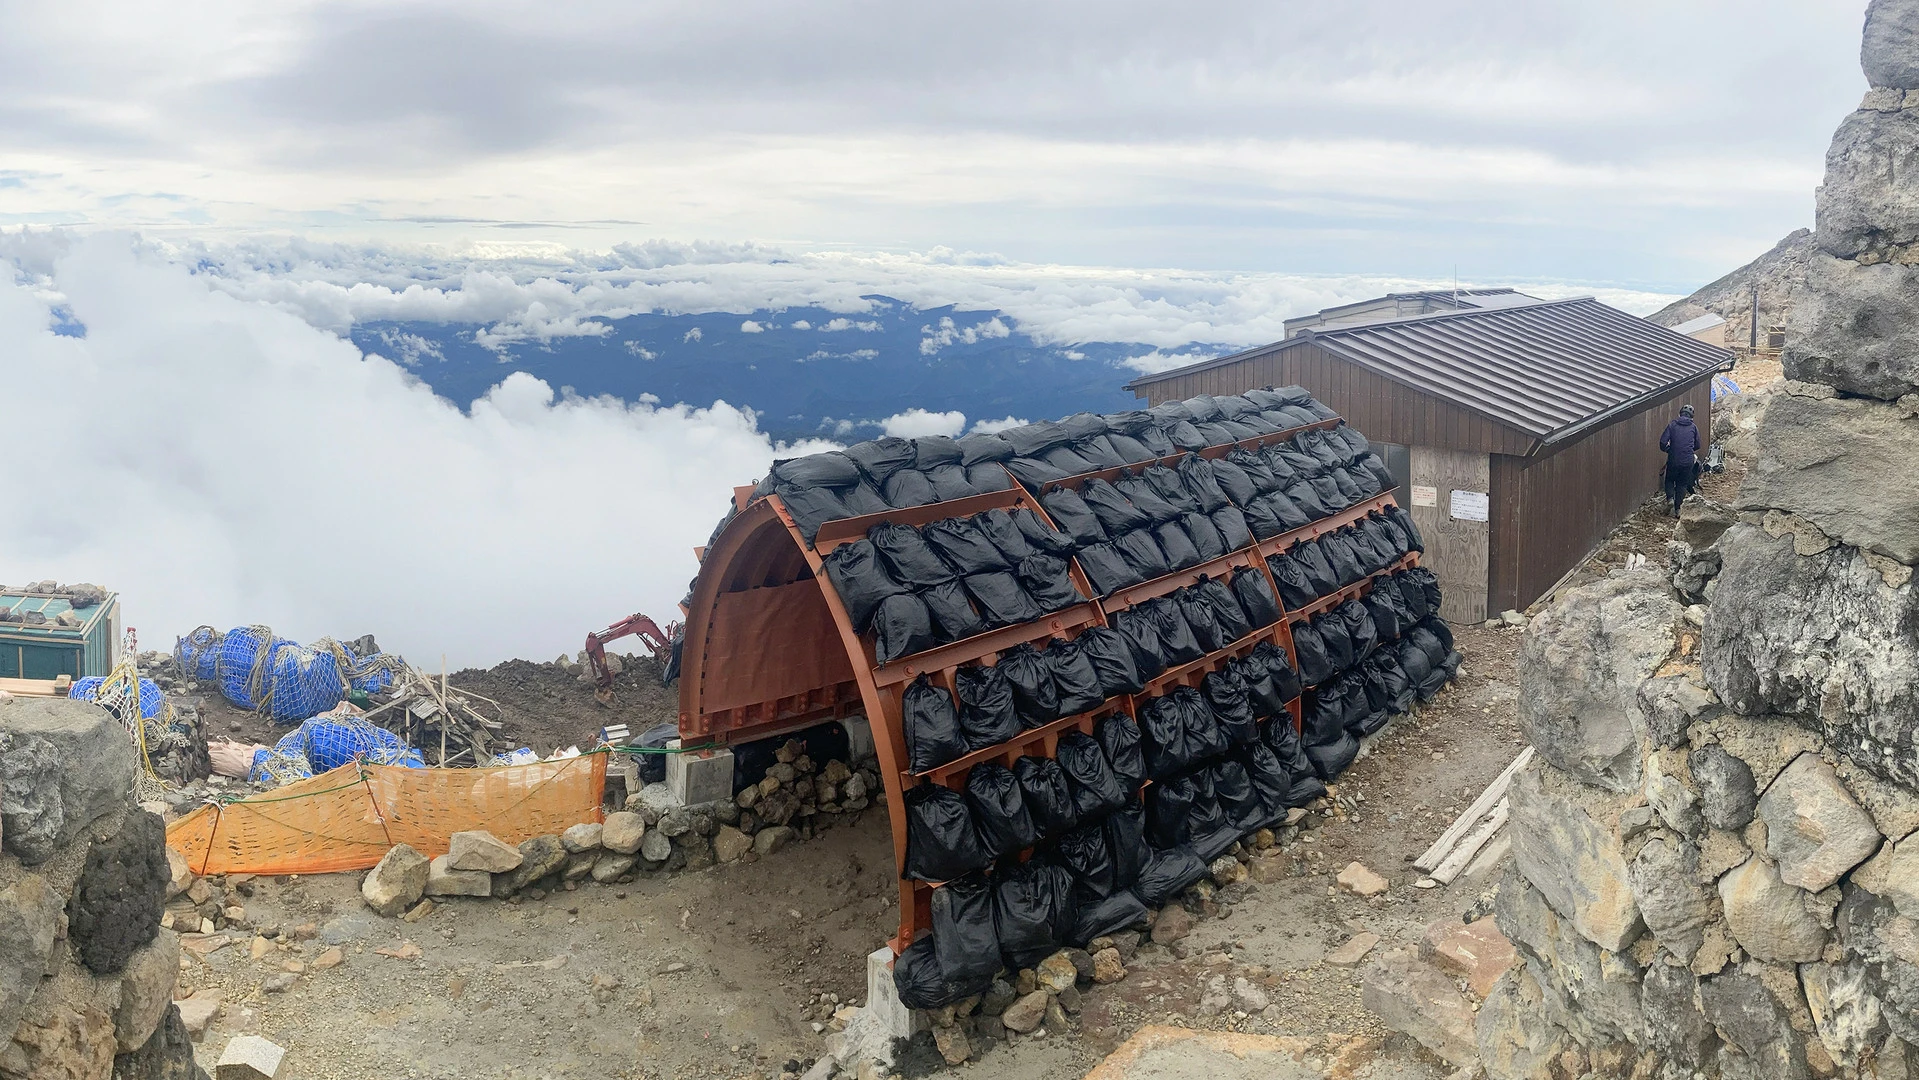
152	699
242	667
330	742
302	681
277	767
198	654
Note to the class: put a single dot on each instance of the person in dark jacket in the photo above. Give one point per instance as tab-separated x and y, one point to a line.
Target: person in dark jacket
1681	444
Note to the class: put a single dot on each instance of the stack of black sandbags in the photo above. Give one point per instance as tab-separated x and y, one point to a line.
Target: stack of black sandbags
912	589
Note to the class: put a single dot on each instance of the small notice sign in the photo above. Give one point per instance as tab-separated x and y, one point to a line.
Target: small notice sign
1425	496
1471	505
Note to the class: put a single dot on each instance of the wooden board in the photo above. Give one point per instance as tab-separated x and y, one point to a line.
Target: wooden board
1456	549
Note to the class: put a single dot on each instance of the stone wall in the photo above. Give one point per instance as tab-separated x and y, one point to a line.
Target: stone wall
1716	854
86	972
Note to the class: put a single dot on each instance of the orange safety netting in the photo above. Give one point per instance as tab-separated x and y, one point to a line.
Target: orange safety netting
348	818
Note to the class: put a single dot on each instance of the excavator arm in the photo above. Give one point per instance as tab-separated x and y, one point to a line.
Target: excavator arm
657	641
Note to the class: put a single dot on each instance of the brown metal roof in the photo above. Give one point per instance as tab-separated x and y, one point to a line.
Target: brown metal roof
1548	370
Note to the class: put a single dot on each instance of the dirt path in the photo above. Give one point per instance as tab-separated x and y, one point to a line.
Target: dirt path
720	973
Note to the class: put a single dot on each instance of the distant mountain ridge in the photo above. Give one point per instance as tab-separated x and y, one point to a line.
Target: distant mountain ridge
807	371
1780	274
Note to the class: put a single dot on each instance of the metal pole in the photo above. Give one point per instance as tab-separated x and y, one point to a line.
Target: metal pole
1752	342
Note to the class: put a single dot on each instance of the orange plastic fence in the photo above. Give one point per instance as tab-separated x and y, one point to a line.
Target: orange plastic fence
348	818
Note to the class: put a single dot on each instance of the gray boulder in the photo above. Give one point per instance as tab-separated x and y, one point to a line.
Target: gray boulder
1693	571
539	857
1815	830
1412	997
1671	705
1515	1037
1856	329
1671	901
167	1055
1829	460
1867	203
1674	1025
1769	918
1565	842
1889	49
397	881
146	990
1882	941
1728	795
1597	990
116	903
1756	1025
1822	639
1850	1021
29	924
1701	521
1580	667
64	764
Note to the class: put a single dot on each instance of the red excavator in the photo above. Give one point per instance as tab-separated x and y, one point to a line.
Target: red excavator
657	641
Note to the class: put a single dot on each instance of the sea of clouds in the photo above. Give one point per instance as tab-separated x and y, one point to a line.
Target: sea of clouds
190	426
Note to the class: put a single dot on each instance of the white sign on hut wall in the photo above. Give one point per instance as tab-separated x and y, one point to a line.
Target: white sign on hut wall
1424	495
1471	505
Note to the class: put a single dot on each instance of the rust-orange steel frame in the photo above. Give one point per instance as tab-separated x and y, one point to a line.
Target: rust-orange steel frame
762	548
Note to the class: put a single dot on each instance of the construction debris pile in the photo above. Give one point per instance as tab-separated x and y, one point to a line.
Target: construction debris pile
79	597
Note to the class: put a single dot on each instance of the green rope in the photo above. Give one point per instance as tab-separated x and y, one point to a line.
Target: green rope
652	749
229	800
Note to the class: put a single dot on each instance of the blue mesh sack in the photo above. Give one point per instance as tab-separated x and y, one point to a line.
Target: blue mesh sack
329	744
372	674
198	654
242	666
302	682
152	698
278	767
404	756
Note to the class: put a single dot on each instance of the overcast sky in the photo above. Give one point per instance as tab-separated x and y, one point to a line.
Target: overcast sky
1649	144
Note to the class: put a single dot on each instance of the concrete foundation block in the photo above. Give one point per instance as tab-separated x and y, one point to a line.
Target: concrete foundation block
859	738
883	998
249	1057
703	776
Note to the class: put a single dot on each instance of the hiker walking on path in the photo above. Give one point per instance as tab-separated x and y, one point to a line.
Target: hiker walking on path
1681	444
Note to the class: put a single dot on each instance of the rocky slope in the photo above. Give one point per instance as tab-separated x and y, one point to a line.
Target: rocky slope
1716	856
1781	276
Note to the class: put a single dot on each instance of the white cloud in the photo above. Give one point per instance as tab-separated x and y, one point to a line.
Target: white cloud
988	427
225	489
914	423
1154	362
641	351
836	325
692	335
751	327
949	333
802	324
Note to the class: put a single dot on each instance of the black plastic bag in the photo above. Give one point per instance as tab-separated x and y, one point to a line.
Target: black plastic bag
1142	554
1262	693
1359	627
1437	627
1096	791
1114	667
1428	585
1000	600
1334	636
1046	580
1330	758
1219	433
1069	460
985	477
1326	453
1163	483
1116	515
1255	596
1286	678
1035	697
1260	518
986	713
964	546
830	470
1042	537
864	498
1178	547
1101	452
1169	811
1349	489
1103	917
1148	497
1288	513
1234	480
1032	473
1163	738
1413	660
1048	797
999	811
901	627
1237	799
860	579
1290	574
1196	608
930	451
1385	613
1329	492
1271	782
1319	572
1120	739
1197	474
1286	746
1309	648
1204	737
941	842
963	935
1308	498
1168	873
1130	450
953	615
1338	549
1084	425
1083	851
908	488
981	449
1213	831
1074	677
1387	688
1184	436
1232	620
932	726
950	482
1256	468
1423	636
1073	516
1140	631
1126	841
1232	707
1404	519
1000	530
1033	909
812	507
1177	642
882	457
1106	569
1205	535
922	985
1030	439
907	556
1411	593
